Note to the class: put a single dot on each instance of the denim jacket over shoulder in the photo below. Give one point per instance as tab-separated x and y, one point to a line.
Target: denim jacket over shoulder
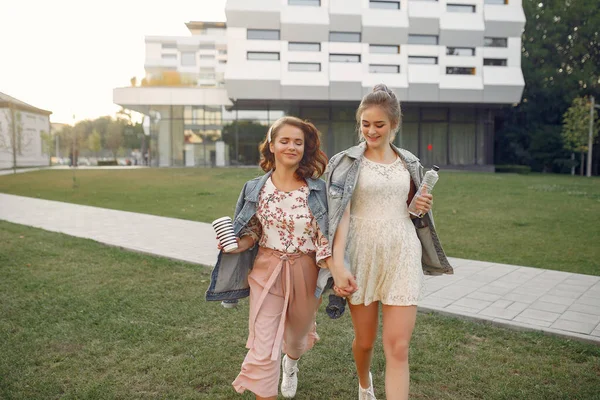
341	178
229	278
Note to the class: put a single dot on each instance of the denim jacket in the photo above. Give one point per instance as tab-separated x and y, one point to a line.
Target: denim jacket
229	278
341	177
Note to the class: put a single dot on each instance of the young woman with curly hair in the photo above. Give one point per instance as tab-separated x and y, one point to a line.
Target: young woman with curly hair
281	223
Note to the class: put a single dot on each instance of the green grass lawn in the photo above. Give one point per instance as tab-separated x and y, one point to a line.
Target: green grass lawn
546	221
85	321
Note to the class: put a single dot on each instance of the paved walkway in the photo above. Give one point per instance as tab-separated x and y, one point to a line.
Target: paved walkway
554	302
19	171
66	167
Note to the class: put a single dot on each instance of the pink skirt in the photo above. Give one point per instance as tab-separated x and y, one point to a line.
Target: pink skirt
283	308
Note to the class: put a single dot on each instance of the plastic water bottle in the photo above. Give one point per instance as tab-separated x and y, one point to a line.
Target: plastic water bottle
429	180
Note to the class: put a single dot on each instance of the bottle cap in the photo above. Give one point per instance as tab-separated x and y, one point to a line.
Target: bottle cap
435	168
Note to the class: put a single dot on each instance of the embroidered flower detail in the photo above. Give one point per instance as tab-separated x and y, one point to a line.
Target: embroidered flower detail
287	223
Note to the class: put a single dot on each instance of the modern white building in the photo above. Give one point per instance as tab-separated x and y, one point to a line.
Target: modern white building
183	95
453	64
29	123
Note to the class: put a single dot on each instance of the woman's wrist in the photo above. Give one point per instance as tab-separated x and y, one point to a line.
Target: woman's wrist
248	241
336	267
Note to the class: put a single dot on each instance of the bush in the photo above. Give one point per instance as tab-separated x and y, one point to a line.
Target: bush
515	169
107	163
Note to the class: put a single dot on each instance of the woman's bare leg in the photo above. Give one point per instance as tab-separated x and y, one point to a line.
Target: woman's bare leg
398	325
365	321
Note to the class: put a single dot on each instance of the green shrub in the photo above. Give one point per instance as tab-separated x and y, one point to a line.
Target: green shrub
515	169
107	163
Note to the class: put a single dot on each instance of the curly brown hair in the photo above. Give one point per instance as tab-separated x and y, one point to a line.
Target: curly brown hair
313	161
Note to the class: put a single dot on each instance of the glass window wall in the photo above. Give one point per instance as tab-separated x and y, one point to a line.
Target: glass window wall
208	135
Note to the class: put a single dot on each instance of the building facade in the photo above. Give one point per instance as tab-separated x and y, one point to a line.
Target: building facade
183	96
453	64
29	123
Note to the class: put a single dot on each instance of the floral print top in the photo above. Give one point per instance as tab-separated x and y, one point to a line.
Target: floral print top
283	222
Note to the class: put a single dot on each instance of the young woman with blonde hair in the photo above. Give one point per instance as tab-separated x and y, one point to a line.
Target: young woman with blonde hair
379	250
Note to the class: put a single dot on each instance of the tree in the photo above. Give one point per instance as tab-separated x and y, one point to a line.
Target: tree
133	135
560	61
114	137
95	142
77	140
125	114
47	144
16	140
576	122
65	140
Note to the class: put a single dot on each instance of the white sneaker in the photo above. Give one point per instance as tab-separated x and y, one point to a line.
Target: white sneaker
289	382
229	303
369	393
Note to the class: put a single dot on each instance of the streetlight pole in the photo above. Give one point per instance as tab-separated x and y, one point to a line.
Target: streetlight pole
591	135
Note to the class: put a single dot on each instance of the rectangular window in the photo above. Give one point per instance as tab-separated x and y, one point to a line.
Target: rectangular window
188	59
207	57
206	46
300	66
222	61
497	62
388	5
495	42
169	56
300	46
384	49
344	37
262	55
460	71
460	8
222	51
314	3
262	34
496	2
423	39
422	60
463	115
460	51
344	58
384	69
169	45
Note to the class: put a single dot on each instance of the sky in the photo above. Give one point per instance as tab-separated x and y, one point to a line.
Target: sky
66	56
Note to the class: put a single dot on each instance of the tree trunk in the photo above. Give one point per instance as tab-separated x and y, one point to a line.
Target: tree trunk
582	163
573	164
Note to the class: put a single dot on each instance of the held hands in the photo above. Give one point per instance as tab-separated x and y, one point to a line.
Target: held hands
344	282
243	244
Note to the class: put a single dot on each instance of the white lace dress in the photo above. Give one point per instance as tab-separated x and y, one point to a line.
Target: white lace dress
385	252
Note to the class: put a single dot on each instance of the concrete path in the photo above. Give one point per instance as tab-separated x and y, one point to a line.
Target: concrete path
554	302
67	168
18	171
